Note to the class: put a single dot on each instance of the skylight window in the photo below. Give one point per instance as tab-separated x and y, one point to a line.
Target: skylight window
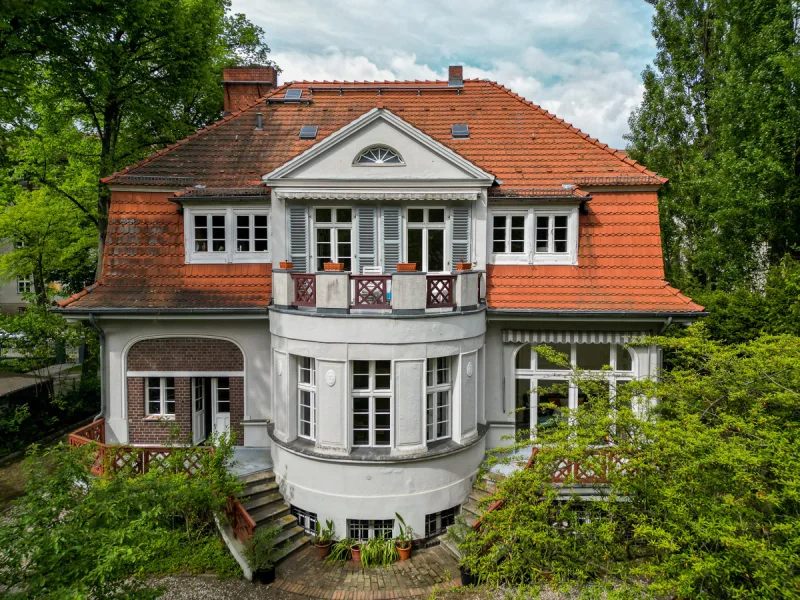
460	132
378	155
293	94
308	132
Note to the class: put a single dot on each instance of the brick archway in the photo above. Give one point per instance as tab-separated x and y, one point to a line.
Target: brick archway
181	356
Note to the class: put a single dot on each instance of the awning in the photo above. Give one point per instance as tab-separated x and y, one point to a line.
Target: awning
571	337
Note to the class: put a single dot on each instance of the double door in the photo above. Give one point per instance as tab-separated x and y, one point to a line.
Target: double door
211	407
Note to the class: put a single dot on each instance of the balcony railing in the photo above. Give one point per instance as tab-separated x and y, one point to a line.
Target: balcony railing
371	291
402	293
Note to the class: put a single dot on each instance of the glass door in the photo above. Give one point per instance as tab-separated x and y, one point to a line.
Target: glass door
426	243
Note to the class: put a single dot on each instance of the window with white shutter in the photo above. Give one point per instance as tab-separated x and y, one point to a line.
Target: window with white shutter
367	246
392	233
298	238
460	234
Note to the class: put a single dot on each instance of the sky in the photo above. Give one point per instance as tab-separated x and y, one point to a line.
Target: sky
580	59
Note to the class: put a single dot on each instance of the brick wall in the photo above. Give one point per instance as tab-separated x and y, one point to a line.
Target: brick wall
181	354
240	95
185	354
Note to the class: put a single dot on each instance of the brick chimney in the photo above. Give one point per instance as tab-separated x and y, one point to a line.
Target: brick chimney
244	85
455	76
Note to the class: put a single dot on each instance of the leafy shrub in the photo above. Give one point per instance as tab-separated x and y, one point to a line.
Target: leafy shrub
261	549
704	502
378	552
76	535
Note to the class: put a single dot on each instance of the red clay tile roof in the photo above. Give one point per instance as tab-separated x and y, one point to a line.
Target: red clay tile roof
524	146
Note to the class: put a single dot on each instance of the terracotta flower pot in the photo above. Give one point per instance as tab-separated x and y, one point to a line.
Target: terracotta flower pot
406	267
355	551
464	266
332	266
286	265
323	549
405	553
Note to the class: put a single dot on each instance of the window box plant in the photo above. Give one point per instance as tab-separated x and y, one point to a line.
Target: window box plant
406	267
286	265
465	266
324	539
261	553
332	266
404	539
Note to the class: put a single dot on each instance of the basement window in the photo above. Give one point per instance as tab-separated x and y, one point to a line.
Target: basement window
365	529
438	522
306	519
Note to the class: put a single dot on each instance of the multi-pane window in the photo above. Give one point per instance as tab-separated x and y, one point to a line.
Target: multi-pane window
426	227
372	403
252	230
552	234
306	398
223	394
160	394
334	236
199	394
508	234
436	523
364	529
439	386
306	519
379	155
209	232
24	285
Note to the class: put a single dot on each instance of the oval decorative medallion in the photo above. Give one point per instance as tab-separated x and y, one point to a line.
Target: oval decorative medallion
330	378
469	369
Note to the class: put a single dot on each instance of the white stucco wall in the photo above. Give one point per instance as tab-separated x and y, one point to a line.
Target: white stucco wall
251	335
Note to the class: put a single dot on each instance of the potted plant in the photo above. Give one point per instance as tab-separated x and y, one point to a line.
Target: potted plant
355	551
286	265
378	552
465	266
332	266
467	578
340	551
324	539
404	538
406	267
261	553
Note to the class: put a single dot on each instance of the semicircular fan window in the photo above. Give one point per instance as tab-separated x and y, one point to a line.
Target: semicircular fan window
379	155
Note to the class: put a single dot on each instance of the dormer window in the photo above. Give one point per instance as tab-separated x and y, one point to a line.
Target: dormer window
378	155
534	235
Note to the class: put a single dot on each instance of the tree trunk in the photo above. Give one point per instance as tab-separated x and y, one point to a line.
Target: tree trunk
108	146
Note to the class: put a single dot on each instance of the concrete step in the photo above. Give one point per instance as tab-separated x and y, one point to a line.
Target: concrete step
294	546
262	490
289	535
451	546
270	512
261	476
471	508
479	495
262	501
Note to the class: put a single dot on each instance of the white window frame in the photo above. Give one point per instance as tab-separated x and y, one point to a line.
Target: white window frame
305	518
371	393
534	374
357	159
530	256
334	226
432	392
372	527
162	388
230	254
507	257
251	214
24	286
309	388
426	226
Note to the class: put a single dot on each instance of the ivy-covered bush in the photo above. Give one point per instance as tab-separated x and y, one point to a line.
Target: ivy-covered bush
703	495
76	535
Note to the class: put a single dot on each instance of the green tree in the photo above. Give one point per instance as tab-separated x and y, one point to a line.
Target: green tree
137	74
702	494
721	119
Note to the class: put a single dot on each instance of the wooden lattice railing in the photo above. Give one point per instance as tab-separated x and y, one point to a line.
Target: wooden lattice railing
440	291
134	460
578	472
305	289
371	291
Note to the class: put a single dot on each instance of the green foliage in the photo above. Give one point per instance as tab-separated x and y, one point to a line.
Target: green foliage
720	119
74	535
324	535
261	549
340	551
378	552
706	504
406	535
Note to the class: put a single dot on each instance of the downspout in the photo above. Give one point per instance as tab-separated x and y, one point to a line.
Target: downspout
666	325
102	336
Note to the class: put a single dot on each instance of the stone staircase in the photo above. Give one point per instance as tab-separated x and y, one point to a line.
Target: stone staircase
470	511
263	500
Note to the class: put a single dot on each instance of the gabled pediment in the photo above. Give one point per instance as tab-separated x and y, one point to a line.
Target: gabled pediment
420	158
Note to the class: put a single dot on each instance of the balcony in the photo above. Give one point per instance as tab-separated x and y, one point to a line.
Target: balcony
402	293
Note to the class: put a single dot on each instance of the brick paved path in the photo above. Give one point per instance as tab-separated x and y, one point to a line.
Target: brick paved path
305	574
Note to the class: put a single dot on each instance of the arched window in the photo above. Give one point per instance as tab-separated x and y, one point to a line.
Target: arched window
378	155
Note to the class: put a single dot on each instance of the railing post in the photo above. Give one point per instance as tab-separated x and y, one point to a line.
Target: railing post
333	291
409	292
282	287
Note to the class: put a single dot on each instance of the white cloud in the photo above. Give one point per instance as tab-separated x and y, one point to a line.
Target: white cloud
580	59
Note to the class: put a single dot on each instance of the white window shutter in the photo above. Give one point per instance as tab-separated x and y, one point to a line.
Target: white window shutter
460	234
392	235
367	247
298	238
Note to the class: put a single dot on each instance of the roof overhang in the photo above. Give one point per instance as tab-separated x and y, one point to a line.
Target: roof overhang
495	314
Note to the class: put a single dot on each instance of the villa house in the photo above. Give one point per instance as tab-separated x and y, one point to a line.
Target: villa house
257	278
